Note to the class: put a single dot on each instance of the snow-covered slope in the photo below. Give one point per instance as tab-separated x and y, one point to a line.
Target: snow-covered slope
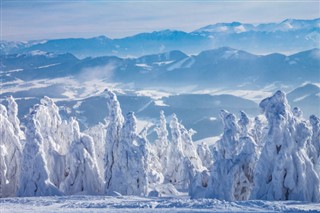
86	204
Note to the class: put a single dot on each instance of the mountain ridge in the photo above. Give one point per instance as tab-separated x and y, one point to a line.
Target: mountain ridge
210	67
291	35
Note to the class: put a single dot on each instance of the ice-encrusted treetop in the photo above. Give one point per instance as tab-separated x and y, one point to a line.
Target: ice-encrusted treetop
13	116
115	113
162	131
243	123
229	121
130	127
175	132
276	107
3	110
297	112
229	143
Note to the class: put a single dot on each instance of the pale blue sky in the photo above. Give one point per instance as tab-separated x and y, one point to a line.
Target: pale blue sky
47	19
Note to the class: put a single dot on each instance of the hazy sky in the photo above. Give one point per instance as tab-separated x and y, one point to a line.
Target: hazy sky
44	19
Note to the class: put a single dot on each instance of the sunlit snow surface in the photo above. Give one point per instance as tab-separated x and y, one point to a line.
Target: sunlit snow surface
142	204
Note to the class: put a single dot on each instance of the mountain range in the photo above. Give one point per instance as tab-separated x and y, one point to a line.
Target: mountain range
288	36
217	68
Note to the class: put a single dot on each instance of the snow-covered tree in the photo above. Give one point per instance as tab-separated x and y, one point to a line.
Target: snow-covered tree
154	167
34	179
244	123
205	155
66	154
296	111
161	143
98	134
229	145
183	160
125	166
315	139
202	185
10	151
258	131
13	116
56	138
129	170
274	157
284	170
231	175
81	171
50	121
113	135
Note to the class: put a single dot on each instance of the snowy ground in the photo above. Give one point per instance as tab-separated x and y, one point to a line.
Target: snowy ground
142	204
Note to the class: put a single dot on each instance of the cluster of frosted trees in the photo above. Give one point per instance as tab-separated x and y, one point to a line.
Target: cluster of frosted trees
272	157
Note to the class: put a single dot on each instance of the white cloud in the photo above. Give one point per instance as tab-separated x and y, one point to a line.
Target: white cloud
96	73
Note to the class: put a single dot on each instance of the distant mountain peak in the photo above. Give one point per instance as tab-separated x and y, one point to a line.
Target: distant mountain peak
310	86
173	55
233	27
103	38
167	32
314	53
238	27
235	23
226	53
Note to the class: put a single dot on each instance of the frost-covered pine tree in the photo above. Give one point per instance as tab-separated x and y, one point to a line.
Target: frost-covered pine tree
154	167
189	149
205	155
176	173
113	135
315	139
183	160
284	170
155	176
244	123
13	116
125	166
129	170
98	134
34	180
231	175
56	138
257	131
161	143
81	171
10	151
50	120
228	145
311	145
137	156
296	111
